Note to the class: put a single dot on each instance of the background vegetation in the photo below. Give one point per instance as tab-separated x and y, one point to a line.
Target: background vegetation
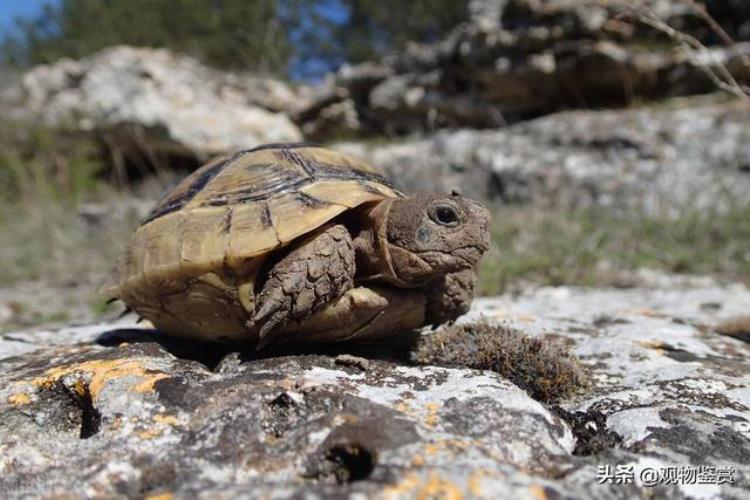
297	38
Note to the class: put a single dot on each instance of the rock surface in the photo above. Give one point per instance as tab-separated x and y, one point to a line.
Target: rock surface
113	410
178	102
651	159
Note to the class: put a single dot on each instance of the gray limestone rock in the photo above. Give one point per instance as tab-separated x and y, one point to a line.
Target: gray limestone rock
113	410
179	102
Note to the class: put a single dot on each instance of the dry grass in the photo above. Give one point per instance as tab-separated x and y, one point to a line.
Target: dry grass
49	181
598	248
55	248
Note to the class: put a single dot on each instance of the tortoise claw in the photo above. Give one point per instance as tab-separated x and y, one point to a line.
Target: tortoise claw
127	311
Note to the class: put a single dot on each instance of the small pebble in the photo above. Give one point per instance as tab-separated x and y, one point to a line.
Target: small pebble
349	360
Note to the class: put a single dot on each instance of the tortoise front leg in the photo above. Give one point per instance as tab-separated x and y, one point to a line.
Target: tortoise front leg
318	271
449	297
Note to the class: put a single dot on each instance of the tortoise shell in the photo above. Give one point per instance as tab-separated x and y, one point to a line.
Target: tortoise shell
239	207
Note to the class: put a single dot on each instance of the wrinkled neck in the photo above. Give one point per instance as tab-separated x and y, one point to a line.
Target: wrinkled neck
371	245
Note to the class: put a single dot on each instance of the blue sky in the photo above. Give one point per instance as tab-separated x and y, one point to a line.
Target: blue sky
10	9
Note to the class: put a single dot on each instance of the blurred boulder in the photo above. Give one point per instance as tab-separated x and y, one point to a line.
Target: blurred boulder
180	103
325	110
516	59
649	159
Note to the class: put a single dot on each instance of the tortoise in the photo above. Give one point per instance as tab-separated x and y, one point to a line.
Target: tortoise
295	241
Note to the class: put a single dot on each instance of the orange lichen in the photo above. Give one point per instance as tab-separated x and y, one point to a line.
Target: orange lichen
538	492
438	487
402	406
19	399
150	433
447	444
432	411
100	372
160	496
433	486
407	485
474	483
432	448
166	419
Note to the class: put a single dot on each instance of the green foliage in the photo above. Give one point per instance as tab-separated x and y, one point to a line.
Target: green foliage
225	33
262	35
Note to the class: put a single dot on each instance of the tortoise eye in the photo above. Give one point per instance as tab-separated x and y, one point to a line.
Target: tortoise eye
445	215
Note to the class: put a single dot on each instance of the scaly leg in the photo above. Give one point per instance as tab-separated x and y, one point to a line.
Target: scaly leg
318	271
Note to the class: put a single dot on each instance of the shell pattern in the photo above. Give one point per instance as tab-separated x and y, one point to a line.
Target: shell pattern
232	212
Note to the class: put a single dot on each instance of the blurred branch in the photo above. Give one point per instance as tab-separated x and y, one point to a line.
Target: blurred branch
718	72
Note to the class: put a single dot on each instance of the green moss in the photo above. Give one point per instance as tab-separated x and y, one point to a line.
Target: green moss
539	365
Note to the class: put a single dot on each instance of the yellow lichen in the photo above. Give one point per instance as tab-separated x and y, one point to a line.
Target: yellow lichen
160	496
149	433
538	492
474	483
19	399
433	486
432	411
166	419
402	406
407	485
80	388
432	448
100	372
439	487
447	444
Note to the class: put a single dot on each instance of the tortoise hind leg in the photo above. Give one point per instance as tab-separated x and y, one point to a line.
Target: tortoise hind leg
318	271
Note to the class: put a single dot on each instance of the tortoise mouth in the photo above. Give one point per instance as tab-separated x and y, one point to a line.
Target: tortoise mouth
455	260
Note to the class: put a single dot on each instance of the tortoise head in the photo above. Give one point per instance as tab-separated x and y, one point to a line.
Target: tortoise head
431	235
